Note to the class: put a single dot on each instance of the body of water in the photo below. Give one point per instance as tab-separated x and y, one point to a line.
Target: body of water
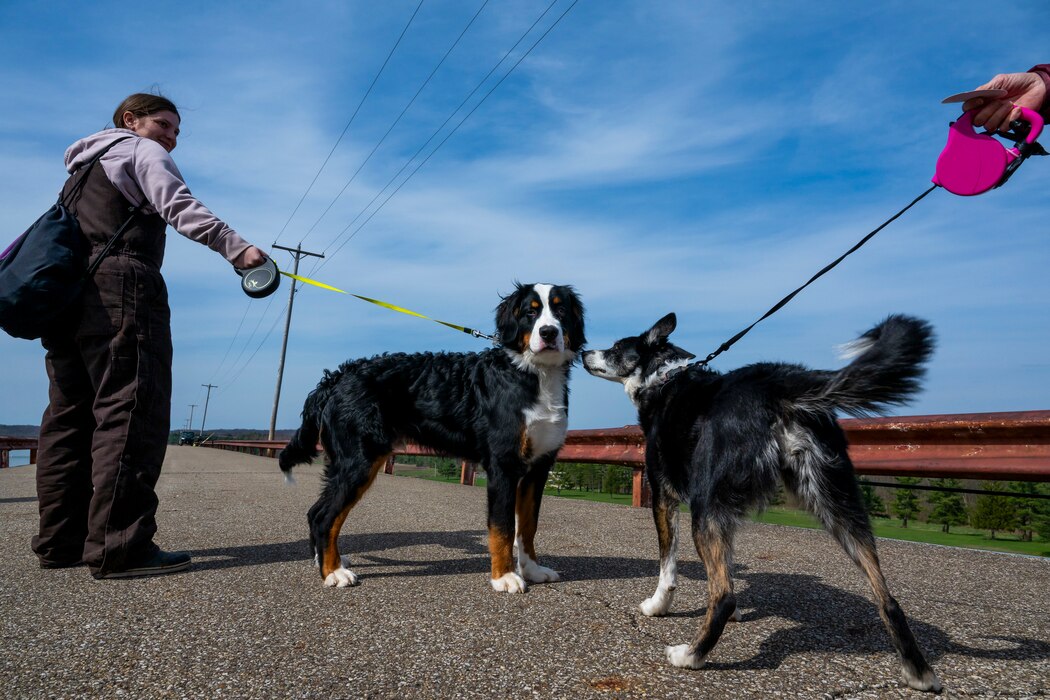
19	458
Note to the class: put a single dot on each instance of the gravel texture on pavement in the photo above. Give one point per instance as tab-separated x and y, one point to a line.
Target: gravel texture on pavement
251	618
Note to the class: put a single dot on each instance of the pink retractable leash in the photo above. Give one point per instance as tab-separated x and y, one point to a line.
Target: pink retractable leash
972	163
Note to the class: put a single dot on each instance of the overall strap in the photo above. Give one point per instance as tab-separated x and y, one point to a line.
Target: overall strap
84	171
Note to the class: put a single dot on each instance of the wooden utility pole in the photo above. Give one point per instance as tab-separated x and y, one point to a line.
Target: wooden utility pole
297	253
206	399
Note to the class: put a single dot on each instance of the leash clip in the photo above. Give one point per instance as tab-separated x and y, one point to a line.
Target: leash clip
478	334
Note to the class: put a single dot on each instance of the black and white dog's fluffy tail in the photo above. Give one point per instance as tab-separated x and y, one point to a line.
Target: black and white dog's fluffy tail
302	448
888	364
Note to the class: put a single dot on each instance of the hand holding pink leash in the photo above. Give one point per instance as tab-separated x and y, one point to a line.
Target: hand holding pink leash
1022	90
972	163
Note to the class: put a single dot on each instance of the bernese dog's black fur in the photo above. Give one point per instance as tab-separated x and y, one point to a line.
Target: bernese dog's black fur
505	407
723	442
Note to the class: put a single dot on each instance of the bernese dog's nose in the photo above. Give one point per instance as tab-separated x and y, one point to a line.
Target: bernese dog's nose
549	334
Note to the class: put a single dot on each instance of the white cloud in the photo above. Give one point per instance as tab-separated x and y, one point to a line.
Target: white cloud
658	157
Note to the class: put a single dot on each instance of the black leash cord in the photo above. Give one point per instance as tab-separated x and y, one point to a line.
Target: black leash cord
780	304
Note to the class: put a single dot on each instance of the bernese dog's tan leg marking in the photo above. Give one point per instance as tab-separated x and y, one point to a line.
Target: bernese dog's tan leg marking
332	569
524	448
526	508
501	550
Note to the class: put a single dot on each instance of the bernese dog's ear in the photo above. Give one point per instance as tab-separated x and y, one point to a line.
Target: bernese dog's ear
507	318
577	338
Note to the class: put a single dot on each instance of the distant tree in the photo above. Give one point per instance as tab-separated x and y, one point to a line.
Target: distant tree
947	508
593	474
558	478
875	506
617	479
448	468
906	503
1041	523
1029	510
577	476
994	513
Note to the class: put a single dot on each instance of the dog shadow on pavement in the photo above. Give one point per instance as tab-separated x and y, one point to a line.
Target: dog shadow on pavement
823	618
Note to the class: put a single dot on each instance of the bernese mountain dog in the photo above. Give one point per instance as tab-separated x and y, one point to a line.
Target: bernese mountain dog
505	407
722	442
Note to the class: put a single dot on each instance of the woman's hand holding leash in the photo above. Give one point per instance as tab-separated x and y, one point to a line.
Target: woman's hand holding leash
1022	90
251	257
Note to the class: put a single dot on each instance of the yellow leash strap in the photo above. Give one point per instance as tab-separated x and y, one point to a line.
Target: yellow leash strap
315	283
392	307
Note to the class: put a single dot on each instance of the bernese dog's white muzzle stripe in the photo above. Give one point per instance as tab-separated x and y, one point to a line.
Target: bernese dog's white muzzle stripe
547	333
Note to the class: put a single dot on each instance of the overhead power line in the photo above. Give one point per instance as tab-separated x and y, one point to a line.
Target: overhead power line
352	117
447	136
396	120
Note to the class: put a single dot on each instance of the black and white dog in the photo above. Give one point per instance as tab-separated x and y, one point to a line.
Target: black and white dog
506	408
722	442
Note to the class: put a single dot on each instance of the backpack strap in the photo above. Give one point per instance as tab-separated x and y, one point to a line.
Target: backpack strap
71	195
86	170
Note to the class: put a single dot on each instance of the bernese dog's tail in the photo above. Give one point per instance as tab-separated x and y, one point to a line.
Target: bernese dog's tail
302	448
888	364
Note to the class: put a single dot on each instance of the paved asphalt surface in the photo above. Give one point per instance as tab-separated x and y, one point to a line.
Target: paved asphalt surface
252	619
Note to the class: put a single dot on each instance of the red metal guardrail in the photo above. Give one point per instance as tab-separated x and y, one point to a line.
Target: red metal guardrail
989	446
1011	446
10	444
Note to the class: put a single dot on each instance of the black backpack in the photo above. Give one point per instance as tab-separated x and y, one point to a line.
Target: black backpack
43	271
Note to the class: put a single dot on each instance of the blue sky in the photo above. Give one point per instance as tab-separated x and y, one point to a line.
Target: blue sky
692	157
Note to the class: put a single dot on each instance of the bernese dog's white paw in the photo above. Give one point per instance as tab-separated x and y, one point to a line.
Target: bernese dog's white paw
534	573
658	605
681	657
509	582
341	578
736	616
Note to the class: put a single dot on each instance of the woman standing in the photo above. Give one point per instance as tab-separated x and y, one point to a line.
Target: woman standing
105	430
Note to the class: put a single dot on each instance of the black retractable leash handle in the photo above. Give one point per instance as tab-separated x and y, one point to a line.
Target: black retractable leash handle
260	281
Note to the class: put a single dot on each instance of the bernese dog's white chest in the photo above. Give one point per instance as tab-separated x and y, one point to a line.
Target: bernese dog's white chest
547	420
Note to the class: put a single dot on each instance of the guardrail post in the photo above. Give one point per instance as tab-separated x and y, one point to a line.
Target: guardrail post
5	459
32	456
389	468
466	473
641	495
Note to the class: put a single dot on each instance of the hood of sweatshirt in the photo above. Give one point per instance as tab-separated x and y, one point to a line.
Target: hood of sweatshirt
81	152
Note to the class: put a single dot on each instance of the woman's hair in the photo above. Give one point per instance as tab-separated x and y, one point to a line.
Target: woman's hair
142	104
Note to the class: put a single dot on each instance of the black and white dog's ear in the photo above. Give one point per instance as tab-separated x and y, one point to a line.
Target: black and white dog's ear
507	317
661	329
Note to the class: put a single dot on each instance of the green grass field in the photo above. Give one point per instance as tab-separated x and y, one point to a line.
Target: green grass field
890	529
919	532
